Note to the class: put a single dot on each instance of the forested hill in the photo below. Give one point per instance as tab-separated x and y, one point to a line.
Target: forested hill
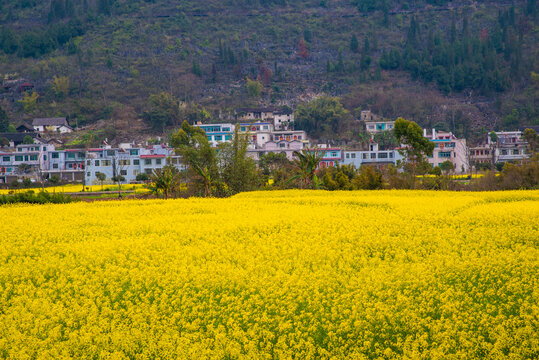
465	66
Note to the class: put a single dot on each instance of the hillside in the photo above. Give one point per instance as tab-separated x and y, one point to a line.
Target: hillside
465	66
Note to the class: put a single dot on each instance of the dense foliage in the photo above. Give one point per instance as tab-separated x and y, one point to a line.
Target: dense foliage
112	55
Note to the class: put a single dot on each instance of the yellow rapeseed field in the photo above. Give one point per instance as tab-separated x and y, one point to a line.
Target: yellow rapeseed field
274	275
72	188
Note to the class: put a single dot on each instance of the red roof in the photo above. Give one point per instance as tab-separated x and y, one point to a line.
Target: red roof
151	156
96	149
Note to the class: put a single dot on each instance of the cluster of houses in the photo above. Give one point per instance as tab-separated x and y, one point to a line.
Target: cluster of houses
268	131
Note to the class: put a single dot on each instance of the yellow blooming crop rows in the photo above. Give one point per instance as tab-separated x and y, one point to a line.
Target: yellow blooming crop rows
274	275
71	188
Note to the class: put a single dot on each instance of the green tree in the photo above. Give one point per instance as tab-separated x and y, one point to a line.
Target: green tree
239	171
101	177
142	177
166	180
369	178
532	139
447	166
324	115
354	44
29	102
254	88
416	146
305	163
163	110
28	140
193	145
4	121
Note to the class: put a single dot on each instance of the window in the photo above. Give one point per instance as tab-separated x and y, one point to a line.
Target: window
136	162
19	149
282	145
70	155
124	162
504	152
228	137
135	172
55	155
33	157
516	152
148	171
88	162
25	157
218	137
123	172
373	155
133	152
265	127
444	154
209	138
382	155
347	155
110	152
45	157
147	161
333	154
106	163
88	174
70	166
353	155
371	127
82	155
158	161
226	129
391	155
364	156
55	166
97	163
6	158
44	148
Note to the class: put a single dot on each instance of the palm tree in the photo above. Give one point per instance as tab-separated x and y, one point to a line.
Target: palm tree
166	180
306	163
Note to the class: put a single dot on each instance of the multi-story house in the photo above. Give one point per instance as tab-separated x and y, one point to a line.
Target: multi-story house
375	124
128	161
510	146
481	154
373	156
218	133
448	147
331	157
285	147
282	119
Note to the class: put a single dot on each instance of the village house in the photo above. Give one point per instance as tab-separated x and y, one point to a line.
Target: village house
448	147
128	161
374	156
510	146
58	125
281	119
481	154
218	133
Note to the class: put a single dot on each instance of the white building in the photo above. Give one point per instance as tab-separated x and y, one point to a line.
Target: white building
373	156
510	146
218	133
58	125
448	147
